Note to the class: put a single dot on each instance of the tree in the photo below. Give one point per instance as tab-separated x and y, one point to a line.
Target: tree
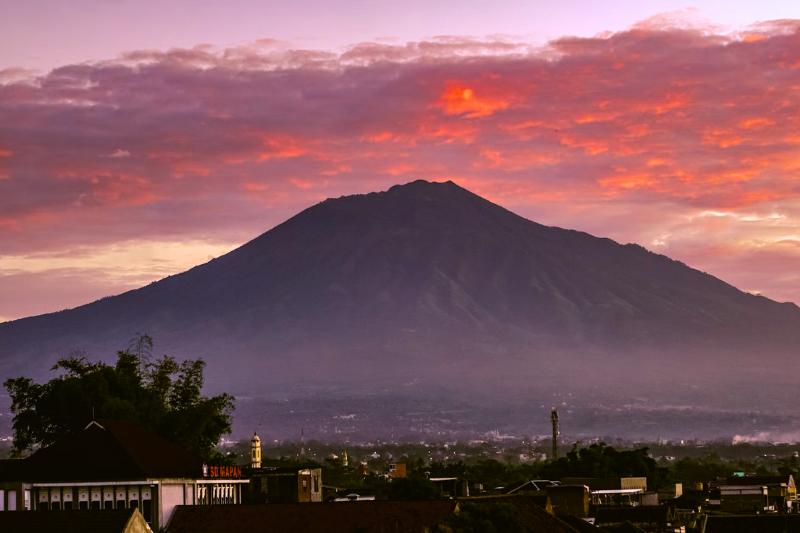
690	470
600	460
412	488
162	395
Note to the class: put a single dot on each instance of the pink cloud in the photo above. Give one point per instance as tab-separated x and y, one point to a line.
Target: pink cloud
226	143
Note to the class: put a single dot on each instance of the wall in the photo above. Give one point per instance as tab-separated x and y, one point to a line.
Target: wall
170	496
633	483
571	500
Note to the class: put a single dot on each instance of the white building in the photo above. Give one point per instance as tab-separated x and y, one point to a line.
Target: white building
116	465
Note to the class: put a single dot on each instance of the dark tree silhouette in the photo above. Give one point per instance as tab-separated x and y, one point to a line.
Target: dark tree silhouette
600	460
162	395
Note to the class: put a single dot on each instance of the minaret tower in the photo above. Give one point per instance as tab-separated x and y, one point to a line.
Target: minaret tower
255	451
554	420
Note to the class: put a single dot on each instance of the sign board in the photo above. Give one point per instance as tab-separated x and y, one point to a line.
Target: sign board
222	472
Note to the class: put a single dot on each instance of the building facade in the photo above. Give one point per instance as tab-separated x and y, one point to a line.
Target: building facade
285	485
116	465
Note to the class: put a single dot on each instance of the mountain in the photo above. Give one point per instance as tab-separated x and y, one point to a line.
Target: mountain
427	283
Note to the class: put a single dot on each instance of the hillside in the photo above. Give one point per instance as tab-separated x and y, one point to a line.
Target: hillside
427	281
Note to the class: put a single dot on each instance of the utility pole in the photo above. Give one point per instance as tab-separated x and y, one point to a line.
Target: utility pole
302	443
554	420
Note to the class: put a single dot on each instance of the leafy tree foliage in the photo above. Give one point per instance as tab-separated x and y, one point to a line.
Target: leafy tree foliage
162	395
600	460
412	488
688	470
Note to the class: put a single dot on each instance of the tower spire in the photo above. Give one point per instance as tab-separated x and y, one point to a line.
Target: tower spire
554	420
255	451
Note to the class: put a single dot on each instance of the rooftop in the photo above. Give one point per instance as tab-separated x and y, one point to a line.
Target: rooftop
69	521
340	517
105	451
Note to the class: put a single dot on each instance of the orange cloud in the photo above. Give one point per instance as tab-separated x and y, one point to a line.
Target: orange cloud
755	123
463	100
382	137
400	170
721	137
671	102
281	147
448	132
589	146
128	190
254	186
515	160
190	168
301	184
627	181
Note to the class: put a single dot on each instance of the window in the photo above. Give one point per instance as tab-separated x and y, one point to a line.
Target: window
108	504
67	494
147	511
84	505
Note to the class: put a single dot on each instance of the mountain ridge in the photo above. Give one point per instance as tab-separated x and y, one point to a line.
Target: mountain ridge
427	274
397	188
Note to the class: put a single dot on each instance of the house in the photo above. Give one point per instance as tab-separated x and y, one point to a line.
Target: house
397	470
755	494
450	487
608	483
533	485
297	484
647	517
572	500
616	491
116	465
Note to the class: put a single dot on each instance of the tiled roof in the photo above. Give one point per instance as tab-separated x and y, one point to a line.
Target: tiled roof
756	480
109	451
579	524
638	514
66	521
530	511
768	523
344	517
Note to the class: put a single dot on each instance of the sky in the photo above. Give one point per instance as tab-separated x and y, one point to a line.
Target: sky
138	139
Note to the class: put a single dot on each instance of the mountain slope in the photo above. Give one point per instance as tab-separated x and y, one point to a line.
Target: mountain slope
425	279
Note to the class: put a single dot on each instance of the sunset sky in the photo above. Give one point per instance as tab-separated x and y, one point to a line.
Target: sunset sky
138	139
